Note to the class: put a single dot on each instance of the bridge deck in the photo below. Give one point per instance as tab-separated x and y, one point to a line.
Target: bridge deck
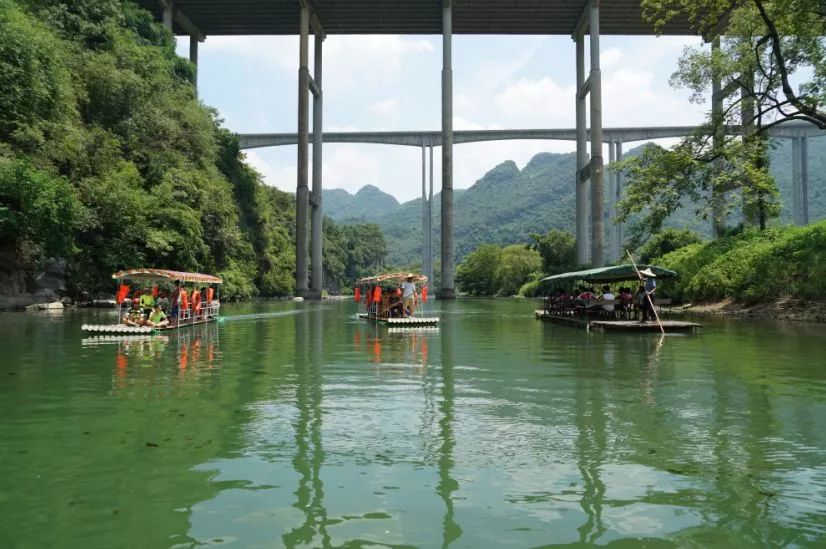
261	17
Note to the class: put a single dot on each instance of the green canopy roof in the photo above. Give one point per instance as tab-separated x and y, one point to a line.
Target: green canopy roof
609	274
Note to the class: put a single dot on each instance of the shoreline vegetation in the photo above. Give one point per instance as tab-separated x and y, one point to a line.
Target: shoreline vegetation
108	160
778	273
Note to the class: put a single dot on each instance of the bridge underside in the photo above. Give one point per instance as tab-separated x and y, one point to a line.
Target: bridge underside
268	17
583	20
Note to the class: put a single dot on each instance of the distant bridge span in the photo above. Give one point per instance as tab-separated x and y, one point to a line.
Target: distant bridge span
434	139
614	137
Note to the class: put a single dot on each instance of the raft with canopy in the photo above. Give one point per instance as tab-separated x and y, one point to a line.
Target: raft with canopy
192	307
383	302
606	315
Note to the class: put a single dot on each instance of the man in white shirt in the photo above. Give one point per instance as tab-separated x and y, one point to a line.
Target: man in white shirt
409	294
607	295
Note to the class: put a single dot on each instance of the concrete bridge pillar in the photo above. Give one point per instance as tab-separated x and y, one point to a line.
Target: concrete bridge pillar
317	212
800	183
593	170
611	202
582	242
302	190
448	290
619	181
168	12
718	213
193	58
425	250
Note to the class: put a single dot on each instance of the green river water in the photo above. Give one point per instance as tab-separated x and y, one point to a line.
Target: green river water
297	425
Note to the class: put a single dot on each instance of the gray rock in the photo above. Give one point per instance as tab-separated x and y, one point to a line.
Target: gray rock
66	300
45	306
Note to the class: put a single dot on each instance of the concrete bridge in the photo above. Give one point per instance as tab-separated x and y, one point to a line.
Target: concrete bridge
614	137
574	18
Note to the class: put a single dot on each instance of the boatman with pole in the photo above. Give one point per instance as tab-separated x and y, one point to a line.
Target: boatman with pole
409	294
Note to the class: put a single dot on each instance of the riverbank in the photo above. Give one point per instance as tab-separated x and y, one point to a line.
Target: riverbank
785	308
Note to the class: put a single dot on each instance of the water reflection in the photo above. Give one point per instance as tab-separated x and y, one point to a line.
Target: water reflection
192	350
451	531
309	452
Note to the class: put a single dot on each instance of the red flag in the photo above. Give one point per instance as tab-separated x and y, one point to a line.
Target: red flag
357	295
122	293
154	291
424	294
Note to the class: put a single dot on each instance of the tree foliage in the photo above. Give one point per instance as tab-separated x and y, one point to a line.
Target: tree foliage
476	274
767	43
108	160
518	263
666	242
752	266
490	270
557	249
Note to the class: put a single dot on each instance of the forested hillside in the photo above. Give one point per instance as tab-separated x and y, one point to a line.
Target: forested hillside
109	161
507	204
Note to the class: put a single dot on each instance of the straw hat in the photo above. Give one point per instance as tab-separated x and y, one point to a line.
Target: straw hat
647	272
410	275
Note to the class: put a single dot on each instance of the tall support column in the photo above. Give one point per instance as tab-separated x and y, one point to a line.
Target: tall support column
448	290
193	57
804	180
751	213
597	196
611	204
302	191
797	187
168	11
424	210
317	211
582	243
429	272
718	213
619	232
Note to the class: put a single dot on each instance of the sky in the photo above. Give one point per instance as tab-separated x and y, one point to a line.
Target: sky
382	83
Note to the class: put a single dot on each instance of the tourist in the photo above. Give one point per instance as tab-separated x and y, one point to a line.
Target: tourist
176	295
196	303
607	295
135	315
409	295
649	287
147	302
639	304
158	318
163	301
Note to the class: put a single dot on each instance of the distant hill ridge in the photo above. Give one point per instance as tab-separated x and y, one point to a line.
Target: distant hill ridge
508	204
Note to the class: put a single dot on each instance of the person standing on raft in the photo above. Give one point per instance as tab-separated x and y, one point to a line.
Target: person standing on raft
409	295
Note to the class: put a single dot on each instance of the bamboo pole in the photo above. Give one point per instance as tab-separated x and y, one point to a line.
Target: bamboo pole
647	295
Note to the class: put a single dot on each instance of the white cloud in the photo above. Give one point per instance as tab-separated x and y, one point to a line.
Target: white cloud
385	107
351	167
534	103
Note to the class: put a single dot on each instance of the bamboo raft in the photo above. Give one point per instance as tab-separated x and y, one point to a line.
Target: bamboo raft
617	325
403	322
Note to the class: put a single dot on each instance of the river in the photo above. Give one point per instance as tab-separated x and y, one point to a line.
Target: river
295	424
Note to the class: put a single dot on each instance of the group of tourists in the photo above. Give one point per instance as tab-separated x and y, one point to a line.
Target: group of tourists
157	308
392	301
624	304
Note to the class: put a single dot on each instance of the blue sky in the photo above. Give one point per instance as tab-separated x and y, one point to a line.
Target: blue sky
393	83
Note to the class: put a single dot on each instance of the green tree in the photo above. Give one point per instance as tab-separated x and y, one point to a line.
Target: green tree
766	43
558	251
476	274
667	241
517	264
37	211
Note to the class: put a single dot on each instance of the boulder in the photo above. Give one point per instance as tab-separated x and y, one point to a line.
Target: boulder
66	300
55	305
298	298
